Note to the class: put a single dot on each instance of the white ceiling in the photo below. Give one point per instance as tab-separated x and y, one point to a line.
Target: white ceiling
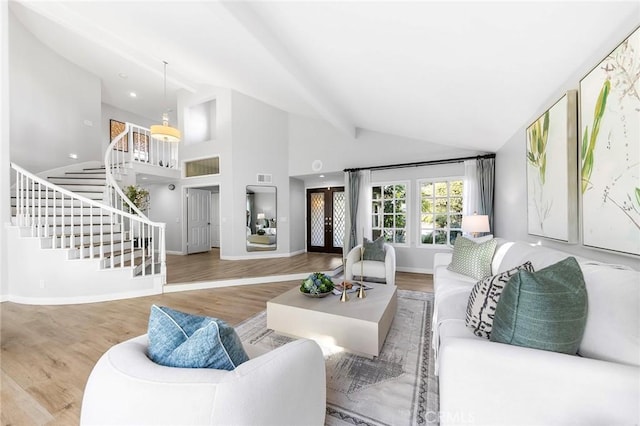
465	74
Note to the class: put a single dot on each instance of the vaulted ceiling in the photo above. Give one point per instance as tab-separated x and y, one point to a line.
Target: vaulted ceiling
465	74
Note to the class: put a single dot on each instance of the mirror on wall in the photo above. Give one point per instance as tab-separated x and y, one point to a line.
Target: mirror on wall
261	217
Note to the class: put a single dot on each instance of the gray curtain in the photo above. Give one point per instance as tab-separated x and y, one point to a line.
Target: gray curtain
485	172
354	194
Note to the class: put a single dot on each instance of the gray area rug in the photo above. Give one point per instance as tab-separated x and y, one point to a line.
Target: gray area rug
396	388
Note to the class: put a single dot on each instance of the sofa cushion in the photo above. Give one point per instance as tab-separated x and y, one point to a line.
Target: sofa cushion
472	259
374	250
178	339
484	297
612	332
545	310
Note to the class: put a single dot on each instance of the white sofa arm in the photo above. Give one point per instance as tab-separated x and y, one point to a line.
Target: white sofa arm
390	264
286	386
442	259
483	382
352	257
126	387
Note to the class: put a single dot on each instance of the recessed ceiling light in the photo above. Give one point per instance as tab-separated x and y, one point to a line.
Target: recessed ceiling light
144	178
133	94
73	156
321	176
122	75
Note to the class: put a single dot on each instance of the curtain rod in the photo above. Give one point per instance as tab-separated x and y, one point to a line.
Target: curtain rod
421	163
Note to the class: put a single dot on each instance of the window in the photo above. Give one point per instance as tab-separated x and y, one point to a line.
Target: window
389	212
206	166
440	211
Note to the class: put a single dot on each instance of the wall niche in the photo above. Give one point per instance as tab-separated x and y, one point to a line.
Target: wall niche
200	123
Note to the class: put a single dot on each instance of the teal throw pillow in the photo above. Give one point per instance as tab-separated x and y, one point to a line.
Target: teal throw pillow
545	310
178	339
472	259
374	250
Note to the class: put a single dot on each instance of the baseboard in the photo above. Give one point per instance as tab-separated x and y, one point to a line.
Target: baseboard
172	288
414	270
260	255
81	299
177	253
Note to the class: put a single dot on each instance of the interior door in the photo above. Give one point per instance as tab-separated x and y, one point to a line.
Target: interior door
198	220
215	219
325	219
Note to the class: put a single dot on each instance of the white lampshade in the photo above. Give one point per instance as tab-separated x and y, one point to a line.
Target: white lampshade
164	132
475	223
260	216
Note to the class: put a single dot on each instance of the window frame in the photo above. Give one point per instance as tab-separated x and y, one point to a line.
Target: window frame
207	157
448	228
407	213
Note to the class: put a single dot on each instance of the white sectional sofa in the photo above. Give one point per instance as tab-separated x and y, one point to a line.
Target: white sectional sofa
487	383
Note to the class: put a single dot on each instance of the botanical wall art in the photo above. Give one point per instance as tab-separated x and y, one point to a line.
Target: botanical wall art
551	172
610	150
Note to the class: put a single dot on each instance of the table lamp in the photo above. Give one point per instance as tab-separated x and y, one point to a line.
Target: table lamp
475	223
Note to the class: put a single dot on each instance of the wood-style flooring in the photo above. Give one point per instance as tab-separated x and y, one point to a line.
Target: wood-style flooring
208	266
47	352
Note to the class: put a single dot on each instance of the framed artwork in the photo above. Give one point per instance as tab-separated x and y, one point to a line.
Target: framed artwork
552	205
115	128
610	150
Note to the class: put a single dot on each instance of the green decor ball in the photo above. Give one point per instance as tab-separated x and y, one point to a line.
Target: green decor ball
317	283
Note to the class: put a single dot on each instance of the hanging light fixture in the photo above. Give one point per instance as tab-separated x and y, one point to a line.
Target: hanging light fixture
163	131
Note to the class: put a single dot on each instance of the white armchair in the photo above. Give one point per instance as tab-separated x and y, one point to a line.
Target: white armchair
371	268
285	386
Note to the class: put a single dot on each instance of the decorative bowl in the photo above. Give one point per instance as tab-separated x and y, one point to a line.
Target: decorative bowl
316	285
317	295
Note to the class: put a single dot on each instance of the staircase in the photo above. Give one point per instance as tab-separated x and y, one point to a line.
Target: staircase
75	236
74	247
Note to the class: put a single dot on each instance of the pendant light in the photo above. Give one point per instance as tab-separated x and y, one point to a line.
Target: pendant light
163	131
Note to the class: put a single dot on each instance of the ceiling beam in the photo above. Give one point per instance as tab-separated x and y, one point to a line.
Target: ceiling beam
313	94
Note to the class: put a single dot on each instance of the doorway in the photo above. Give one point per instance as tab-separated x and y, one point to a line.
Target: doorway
198	220
325	219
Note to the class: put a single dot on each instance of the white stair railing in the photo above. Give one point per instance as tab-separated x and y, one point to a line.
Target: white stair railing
136	146
92	230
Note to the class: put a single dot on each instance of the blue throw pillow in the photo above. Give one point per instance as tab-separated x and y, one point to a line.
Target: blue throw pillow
178	339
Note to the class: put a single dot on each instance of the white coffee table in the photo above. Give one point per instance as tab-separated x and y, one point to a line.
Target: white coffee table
358	325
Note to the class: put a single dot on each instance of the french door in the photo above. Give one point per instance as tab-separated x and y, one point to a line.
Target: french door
325	219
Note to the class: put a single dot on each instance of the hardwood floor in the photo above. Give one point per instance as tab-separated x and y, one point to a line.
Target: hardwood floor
209	267
47	352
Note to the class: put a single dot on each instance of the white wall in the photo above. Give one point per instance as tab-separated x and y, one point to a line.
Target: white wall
312	139
260	145
55	105
220	145
297	214
511	185
5	213
165	206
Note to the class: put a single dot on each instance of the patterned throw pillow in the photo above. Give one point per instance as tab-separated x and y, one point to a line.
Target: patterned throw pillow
178	339
374	250
483	300
472	259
